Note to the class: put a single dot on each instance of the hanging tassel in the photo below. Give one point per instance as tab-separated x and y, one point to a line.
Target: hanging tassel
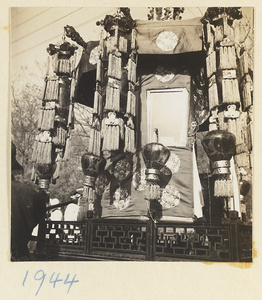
114	65
94	142
212	92
230	91
131	70
64	67
111	138
113	96
152	191
109	98
129	140
51	93
60	138
67	149
131	104
94	145
48	119
44	154
116	99
99	71
110	64
98	103
129	136
70	119
133	39
223	187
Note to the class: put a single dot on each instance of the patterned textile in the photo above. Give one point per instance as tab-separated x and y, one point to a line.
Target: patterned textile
170	37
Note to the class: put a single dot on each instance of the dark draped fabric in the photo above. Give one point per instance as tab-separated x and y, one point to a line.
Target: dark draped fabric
27	209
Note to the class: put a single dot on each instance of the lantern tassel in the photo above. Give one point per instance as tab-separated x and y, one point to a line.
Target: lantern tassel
223	187
152	191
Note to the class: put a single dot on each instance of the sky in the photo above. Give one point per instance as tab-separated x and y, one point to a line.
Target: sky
33	28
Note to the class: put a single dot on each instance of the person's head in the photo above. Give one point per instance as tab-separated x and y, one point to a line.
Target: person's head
16	169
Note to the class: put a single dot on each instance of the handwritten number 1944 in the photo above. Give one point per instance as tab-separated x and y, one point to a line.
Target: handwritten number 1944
40	276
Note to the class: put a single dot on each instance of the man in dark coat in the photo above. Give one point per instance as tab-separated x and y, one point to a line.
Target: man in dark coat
27	210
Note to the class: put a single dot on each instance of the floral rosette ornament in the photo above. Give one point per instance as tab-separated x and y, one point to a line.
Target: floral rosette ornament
101	183
122	169
121	198
173	163
170	197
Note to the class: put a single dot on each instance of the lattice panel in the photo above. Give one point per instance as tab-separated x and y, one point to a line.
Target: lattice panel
60	233
193	243
245	243
128	238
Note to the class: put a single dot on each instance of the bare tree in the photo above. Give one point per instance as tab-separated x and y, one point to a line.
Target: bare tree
26	99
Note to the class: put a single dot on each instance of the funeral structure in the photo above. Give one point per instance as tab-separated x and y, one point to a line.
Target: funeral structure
168	162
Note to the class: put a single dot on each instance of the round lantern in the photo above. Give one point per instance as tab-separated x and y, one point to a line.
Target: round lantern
92	166
44	173
220	147
244	187
155	156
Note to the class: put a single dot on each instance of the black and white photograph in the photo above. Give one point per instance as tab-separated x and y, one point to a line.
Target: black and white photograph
130	144
131	134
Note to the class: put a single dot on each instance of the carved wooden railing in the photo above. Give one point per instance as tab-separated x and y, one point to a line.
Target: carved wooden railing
144	240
